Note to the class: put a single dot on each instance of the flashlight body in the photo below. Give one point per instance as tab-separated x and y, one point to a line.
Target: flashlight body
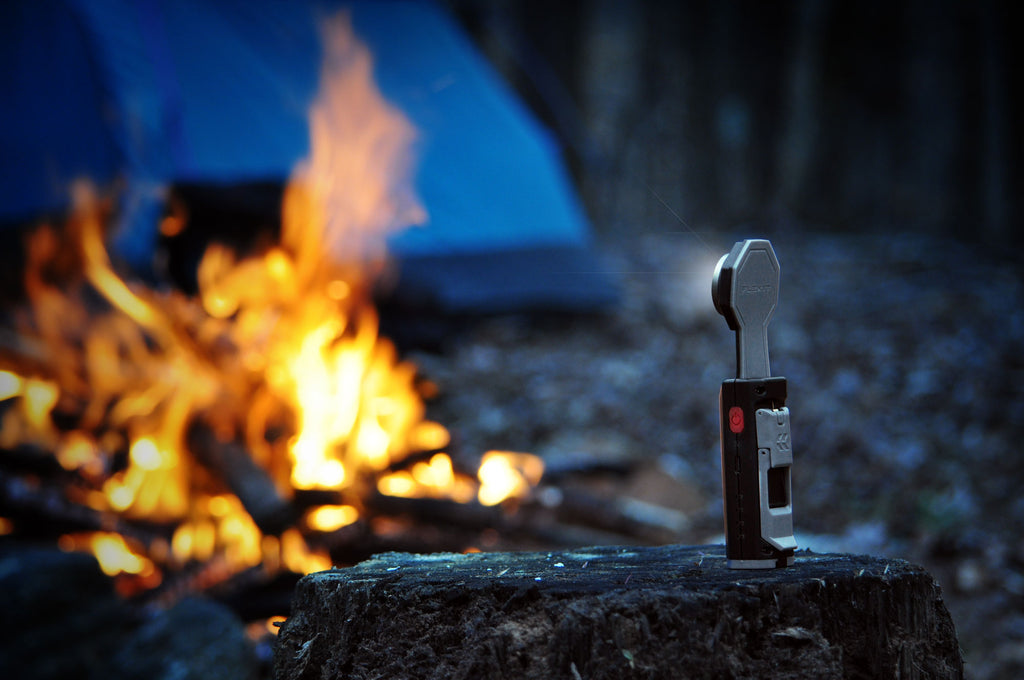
756	461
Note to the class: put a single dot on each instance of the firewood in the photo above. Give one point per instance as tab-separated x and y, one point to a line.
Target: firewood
232	463
41	508
440	511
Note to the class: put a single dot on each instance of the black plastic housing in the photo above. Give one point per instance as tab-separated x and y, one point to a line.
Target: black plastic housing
740	483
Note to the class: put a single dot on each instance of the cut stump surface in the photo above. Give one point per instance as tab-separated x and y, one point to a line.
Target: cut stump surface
637	612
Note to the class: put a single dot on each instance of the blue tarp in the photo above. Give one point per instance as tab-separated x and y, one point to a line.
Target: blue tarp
157	92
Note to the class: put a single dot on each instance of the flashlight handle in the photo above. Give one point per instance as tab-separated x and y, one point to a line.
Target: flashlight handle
756	462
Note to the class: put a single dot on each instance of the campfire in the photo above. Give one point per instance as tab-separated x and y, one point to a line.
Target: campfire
241	429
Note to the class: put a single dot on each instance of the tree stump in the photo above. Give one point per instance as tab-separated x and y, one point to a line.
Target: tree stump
639	612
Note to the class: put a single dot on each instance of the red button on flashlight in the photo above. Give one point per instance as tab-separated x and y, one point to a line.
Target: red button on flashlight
736	419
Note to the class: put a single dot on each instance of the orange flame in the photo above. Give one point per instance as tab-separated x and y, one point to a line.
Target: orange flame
283	340
11	385
112	552
436	479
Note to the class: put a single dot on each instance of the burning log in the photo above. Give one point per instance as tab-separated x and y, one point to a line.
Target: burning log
615	613
46	508
234	465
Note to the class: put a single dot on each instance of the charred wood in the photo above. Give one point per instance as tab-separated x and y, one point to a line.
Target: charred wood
439	511
41	508
231	462
32	459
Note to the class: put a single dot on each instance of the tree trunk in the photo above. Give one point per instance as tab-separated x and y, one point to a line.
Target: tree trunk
638	612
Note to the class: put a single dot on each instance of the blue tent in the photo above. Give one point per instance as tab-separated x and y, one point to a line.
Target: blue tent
206	92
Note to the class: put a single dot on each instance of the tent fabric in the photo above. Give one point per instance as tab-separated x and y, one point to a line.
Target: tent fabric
53	123
217	92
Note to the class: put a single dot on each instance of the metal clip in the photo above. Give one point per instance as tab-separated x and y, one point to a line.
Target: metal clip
775	457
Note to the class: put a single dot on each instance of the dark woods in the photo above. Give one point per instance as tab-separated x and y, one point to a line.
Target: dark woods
830	114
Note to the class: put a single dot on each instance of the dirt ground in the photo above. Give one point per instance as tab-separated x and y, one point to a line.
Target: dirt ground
904	356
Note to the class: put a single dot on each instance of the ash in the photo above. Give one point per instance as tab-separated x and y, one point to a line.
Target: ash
904	356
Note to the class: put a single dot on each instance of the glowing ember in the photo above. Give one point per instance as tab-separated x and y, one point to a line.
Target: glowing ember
331	517
436	479
283	341
505	474
273	623
112	552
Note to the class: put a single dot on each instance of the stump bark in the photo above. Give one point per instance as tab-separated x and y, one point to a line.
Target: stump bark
639	612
